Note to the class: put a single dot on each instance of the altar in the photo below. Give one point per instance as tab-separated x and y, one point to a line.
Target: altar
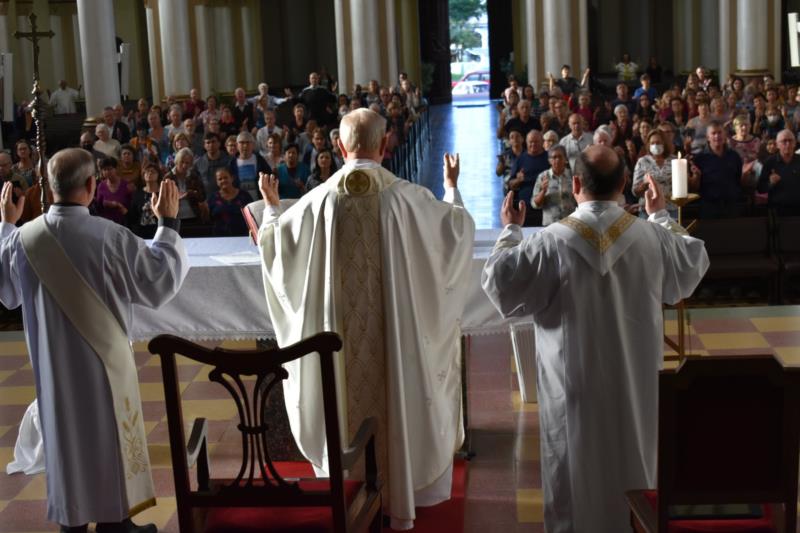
223	295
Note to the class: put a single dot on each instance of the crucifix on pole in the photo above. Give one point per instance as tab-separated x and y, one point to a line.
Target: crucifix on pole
37	106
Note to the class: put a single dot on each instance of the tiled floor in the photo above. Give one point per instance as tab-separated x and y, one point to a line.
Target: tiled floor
504	490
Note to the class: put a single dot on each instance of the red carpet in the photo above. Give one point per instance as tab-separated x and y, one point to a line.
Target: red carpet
446	516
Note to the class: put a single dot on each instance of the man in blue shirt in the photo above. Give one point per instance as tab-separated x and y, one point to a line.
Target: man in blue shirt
292	173
718	176
526	169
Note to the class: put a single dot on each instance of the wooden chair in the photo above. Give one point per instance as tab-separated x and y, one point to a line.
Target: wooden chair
728	435
263	496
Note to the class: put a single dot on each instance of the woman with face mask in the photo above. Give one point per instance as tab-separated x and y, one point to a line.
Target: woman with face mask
658	164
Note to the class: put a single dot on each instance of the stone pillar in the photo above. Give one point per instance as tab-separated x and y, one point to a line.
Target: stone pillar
248	46
204	48
176	46
343	64
752	41
151	19
709	36
98	52
223	51
4	33
409	39
76	46
531	44
557	16
725	42
391	43
57	46
366	46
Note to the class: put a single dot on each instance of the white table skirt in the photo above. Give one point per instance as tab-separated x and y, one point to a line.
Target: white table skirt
226	301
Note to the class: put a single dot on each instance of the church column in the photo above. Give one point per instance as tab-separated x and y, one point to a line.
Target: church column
248	46
204	52
709	35
153	49
531	44
391	70
223	49
57	46
558	31
98	52
344	67
173	17
724	36
76	46
409	39
752	41
366	46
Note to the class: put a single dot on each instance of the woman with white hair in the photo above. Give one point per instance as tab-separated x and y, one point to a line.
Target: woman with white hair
192	205
104	143
624	126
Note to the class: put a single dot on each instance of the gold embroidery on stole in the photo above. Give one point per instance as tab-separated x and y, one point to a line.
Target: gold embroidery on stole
601	242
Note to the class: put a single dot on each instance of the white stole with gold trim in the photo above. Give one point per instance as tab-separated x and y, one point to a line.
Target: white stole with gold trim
600	238
97	325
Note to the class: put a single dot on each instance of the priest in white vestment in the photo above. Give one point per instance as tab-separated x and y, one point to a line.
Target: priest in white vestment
382	262
76	277
595	283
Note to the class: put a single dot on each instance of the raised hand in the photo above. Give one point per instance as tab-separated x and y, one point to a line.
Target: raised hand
165	202
653	197
774	178
268	184
452	166
9	211
509	215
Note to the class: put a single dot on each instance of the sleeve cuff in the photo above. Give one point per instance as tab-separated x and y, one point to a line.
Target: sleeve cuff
171	223
6	229
452	196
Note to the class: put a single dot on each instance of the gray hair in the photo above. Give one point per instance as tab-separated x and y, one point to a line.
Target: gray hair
362	130
602	130
69	169
245	136
334	131
620	107
182	154
550	134
557	148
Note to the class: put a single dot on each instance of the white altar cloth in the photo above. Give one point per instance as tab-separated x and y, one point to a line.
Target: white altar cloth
223	295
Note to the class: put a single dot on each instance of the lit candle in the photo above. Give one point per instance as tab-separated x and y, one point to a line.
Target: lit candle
680	178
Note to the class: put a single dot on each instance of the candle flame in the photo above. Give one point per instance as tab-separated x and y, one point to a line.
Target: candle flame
679	155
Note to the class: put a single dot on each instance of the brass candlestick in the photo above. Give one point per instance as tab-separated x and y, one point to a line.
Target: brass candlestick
680	202
680	307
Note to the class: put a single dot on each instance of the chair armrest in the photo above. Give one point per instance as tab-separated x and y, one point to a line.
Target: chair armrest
197	440
642	513
366	431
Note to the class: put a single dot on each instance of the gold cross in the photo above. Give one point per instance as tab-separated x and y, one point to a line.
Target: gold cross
33	36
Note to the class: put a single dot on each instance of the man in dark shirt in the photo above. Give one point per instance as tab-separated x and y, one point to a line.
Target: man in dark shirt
214	159
523	123
780	177
242	110
526	169
624	98
719	176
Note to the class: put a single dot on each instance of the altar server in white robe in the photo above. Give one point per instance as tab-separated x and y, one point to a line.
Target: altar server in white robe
595	283
76	277
384	263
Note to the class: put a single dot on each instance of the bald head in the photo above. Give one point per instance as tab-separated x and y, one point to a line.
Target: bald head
601	172
362	135
786	144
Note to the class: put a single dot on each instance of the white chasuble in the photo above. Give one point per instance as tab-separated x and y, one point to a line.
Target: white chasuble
101	330
384	264
595	284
